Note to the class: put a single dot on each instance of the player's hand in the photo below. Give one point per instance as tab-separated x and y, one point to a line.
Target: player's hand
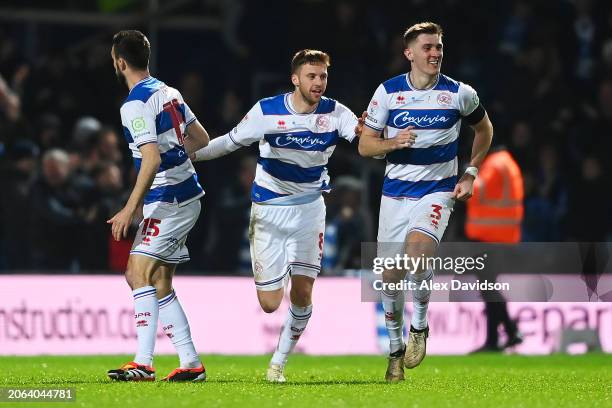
192	157
404	138
360	123
464	188
121	223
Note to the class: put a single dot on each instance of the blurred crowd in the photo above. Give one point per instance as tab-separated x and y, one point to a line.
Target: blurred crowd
543	70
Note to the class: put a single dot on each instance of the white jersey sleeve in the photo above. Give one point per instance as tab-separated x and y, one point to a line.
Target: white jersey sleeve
249	129
140	120
347	122
378	109
468	99
189	116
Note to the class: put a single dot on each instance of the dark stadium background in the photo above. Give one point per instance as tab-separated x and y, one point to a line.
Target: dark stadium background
543	70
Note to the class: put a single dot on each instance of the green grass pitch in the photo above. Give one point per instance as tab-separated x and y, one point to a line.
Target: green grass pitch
342	381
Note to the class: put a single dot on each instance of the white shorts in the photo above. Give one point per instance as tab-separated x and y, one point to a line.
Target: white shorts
398	217
163	231
286	240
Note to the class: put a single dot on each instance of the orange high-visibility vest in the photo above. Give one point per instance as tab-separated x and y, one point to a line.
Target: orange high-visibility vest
495	211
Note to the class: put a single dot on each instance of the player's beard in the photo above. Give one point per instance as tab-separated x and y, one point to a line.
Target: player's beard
120	77
306	96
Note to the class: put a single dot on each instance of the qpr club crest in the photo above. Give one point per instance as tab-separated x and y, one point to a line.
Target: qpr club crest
323	123
445	98
373	108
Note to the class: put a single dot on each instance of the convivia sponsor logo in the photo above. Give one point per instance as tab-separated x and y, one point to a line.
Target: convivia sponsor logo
305	142
425	120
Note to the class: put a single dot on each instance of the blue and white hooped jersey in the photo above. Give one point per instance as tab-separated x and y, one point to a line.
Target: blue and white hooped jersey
430	165
156	113
293	148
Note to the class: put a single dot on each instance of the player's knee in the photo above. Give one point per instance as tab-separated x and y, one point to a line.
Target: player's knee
301	295
268	306
164	288
139	271
420	249
270	300
131	277
393	275
162	279
419	274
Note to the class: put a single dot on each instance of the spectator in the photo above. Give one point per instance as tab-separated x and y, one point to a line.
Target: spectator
17	179
110	196
48	131
545	200
85	130
57	215
108	146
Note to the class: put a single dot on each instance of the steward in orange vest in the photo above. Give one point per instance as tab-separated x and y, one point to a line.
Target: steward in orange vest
495	211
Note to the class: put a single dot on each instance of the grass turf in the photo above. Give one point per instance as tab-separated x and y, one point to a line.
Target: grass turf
341	381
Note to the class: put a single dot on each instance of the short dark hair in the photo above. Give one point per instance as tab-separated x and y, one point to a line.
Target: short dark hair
134	47
426	27
308	57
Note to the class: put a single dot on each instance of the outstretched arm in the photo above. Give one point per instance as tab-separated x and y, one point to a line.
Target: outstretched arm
248	131
219	146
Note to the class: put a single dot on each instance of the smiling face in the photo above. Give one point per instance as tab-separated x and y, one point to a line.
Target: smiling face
425	54
310	81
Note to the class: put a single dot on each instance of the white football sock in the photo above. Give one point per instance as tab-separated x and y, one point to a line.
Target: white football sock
393	305
297	319
420	299
146	313
176	327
